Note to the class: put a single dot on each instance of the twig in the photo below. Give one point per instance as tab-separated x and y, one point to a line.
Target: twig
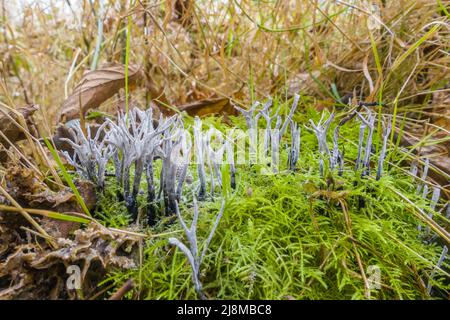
124	289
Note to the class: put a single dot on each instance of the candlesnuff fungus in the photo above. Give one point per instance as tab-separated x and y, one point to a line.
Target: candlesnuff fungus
267	132
151	190
186	147
154	151
252	128
128	148
370	121
134	137
91	155
294	151
275	143
321	134
173	165
386	132
215	157
424	175
271	136
290	115
192	253
362	129
336	155
229	149
414	168
424	196
200	153
434	200
438	265
210	166
278	133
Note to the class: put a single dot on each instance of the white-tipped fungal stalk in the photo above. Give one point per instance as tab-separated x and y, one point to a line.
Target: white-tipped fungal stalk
438	266
229	149
321	134
386	132
362	129
172	160
424	196
288	119
251	120
200	153
275	139
186	147
434	200
265	113
192	253
413	170
336	156
370	121
294	152
215	157
424	175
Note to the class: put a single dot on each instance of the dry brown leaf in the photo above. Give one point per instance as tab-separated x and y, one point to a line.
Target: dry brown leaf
96	87
12	132
204	107
441	109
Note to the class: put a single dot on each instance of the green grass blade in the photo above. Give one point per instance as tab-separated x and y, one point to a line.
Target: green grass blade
67	177
127	62
412	48
66	217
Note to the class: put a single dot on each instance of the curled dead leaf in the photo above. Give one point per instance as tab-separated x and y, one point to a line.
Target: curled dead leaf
10	130
96	87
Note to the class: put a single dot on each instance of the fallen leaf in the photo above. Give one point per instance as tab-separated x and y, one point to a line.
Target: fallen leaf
12	132
96	87
209	106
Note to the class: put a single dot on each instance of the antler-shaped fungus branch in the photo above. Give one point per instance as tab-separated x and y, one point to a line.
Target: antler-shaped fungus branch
192	253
